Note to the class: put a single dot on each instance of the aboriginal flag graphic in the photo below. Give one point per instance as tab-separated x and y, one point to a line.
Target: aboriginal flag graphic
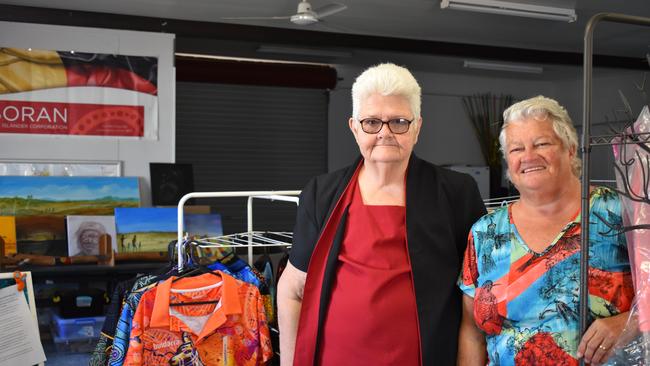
75	93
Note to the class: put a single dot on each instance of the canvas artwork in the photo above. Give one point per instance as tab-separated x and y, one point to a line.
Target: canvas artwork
147	229
8	233
170	182
203	226
37	195
44	235
84	233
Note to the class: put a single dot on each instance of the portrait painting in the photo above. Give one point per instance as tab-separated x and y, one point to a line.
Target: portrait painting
84	233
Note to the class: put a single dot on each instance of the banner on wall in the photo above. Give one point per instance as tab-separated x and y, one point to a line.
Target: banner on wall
75	93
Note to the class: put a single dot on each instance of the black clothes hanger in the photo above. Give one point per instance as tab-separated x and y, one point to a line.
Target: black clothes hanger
182	303
199	269
229	258
193	252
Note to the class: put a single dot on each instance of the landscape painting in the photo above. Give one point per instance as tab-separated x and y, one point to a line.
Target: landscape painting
203	226
38	195
44	235
8	233
206	226
146	229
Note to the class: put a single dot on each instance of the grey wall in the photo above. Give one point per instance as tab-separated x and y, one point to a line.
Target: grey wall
447	136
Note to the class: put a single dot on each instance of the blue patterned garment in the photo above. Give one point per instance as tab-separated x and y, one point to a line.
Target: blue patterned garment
526	302
239	269
123	330
102	351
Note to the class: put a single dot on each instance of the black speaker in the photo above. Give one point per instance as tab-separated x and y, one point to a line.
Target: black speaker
169	182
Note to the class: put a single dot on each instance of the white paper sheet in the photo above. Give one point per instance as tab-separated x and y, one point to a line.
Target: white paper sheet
19	340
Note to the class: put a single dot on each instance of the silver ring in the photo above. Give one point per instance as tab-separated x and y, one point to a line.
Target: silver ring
603	347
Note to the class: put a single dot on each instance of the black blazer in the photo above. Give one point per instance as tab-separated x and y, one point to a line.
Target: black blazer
441	206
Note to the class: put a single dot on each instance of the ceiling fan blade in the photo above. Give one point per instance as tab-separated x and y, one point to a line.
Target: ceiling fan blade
329	9
255	18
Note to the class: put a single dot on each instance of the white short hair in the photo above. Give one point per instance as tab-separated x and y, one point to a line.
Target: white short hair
542	108
386	79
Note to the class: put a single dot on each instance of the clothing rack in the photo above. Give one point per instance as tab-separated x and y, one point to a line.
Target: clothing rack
494	203
587	142
248	239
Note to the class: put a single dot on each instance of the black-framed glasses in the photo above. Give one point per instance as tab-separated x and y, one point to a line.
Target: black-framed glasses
395	125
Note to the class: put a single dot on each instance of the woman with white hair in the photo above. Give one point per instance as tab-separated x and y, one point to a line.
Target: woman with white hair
521	268
378	245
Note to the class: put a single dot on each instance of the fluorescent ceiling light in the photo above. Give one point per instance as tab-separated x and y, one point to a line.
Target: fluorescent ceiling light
303	51
498	66
245	59
512	8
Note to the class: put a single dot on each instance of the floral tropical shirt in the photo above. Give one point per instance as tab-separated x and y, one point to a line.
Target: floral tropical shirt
527	303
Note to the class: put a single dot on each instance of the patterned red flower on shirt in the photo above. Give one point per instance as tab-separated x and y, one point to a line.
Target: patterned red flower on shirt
470	267
542	350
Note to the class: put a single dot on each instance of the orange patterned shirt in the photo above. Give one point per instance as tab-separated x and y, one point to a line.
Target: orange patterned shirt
231	332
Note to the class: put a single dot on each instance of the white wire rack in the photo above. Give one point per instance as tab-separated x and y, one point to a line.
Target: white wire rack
494	203
248	239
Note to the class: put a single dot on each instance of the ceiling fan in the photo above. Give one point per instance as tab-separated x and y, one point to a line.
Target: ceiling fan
304	15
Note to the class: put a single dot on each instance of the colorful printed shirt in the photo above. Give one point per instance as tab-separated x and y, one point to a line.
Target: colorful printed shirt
239	269
123	330
232	331
102	351
526	302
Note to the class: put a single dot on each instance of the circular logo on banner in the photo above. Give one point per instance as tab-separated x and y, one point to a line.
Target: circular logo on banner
111	121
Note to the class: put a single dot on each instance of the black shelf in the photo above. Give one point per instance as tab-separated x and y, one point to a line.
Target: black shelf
83	271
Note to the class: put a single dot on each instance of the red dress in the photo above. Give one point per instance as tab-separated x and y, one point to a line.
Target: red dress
372	316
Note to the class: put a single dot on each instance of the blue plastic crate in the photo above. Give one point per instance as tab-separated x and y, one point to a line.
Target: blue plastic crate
77	328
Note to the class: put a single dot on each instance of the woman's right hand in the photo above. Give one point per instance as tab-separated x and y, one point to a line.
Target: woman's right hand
290	291
600	337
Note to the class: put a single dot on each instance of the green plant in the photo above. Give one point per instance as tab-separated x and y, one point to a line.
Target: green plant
485	111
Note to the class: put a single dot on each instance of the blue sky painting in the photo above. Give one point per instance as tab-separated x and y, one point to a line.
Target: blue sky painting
146	219
203	224
61	196
164	219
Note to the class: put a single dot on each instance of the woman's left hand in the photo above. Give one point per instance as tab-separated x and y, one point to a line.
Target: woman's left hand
597	342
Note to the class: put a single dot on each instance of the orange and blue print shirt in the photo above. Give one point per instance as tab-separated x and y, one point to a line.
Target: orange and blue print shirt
232	331
527	302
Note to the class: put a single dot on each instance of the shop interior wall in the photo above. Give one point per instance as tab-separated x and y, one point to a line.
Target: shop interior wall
447	136
134	153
